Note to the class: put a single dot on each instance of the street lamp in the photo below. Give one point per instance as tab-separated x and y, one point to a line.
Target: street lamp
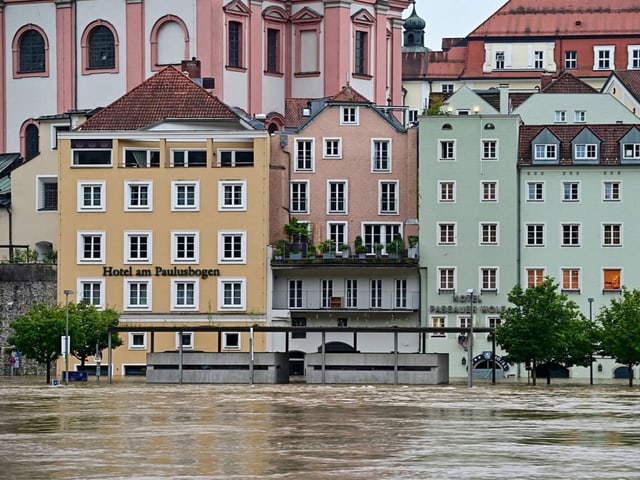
66	336
590	300
471	293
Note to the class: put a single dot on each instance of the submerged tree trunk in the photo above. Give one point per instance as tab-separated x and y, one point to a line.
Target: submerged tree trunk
630	374
548	373
48	372
533	373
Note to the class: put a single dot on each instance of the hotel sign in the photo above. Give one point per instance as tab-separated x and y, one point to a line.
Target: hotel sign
158	271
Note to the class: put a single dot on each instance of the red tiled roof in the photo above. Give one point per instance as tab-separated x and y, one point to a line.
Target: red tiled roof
631	80
559	18
349	94
567	83
169	94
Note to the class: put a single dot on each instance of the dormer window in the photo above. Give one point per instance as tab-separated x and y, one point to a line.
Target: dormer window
349	116
545	152
631	150
585	151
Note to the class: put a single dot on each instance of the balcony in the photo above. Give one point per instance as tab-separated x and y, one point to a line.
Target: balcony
298	255
315	301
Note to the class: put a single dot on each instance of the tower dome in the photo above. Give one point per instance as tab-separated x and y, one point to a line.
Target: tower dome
414	30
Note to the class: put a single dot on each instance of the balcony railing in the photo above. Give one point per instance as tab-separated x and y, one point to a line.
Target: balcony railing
318	300
292	254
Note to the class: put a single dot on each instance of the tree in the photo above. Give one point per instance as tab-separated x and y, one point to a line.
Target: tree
93	328
38	334
541	327
620	333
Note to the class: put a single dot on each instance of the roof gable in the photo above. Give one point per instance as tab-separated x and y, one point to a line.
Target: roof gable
568	83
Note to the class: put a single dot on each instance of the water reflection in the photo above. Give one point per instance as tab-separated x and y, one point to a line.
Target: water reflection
312	432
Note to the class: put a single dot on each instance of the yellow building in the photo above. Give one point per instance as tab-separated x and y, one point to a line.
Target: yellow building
163	201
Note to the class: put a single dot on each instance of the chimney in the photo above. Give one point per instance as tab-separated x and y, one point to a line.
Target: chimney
191	68
504	98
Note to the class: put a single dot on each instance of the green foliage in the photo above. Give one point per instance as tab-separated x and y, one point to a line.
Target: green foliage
396	246
327	246
297	231
360	246
24	255
620	331
435	106
93	328
544	326
413	240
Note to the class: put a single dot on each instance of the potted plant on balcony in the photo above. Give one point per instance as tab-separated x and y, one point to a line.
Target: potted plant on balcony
361	248
396	247
378	249
278	249
346	250
298	233
328	248
412	252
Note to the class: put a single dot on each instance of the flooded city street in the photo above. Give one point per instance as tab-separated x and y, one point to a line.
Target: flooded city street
299	431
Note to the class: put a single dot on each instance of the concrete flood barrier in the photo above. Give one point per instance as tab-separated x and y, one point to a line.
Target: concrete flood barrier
388	368
227	367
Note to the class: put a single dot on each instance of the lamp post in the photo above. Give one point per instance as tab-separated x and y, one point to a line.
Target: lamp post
471	293
590	300
66	337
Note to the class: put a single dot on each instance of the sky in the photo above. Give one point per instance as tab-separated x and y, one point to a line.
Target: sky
452	18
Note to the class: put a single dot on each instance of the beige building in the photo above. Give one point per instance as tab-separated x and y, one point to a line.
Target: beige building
163	199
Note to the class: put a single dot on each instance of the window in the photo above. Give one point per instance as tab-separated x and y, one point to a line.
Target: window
538	59
489	150
412	116
586	151
184	294
351	291
612	235
499	60
337	231
332	148
349	115
188	158
447	191
31	141
184	247
101	45
446	279
381	155
489	191
447	150
304	155
138	196
380	233
137	340
169	42
298	322
232	247
273	50
231	340
91	158
633	54
91	196
612	278
611	191
465	322
307	34
535	235
91	247
137	294
401	293
570	191
446	88
32	52
488	234
446	234
184	340
376	294
47	192
361	54
545	151
603	58
231	293
234	32
535	191
535	277
560	116
91	291
185	195
571	279
494	322
295	294
326	292
141	158
489	279
570	60
438	322
631	150
580	116
299	197
337	197
137	247
388	198
570	235
235	158
232	195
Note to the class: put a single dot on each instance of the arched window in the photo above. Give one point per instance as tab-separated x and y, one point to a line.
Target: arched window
31	141
32	52
102	49
169	42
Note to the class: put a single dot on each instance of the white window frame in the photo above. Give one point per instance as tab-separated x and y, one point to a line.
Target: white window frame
101	186
175	185
128	236
443	237
438	321
148	152
341	198
349	115
41	181
570	59
293	208
80	246
338	232
132	336
611	191
376	292
571	287
393	202
336	144
447	279
538	59
560	116
545	151
447	88
227	345
608	237
175	282
606	61
446	191
489	279
222	235
175	234
539	237
500	59
573	231
483	191
180	340
223	186
100	282
295	292
233	163
573	196
297	158
491	144
493	232
447	154
351	292
580	116
380	164
127	285
400	296
186	152
631	151
633	57
128	204
77	151
222	282
585	151
538	194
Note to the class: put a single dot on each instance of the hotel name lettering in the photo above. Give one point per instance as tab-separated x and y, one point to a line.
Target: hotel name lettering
203	273
464	306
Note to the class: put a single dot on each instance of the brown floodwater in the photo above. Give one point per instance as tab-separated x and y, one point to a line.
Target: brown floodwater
306	432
